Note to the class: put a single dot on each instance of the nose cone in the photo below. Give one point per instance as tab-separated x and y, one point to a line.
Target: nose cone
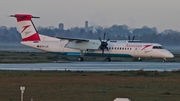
169	55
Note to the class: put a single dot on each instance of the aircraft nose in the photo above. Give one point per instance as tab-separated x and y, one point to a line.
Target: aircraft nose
169	55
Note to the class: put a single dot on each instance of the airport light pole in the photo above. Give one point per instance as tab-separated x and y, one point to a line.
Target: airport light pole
22	88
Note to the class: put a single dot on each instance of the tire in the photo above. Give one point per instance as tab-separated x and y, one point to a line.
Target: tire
108	59
80	59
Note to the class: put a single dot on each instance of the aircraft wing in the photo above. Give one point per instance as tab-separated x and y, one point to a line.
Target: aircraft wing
74	39
81	44
90	45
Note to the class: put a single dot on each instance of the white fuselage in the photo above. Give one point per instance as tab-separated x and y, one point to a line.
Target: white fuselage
81	47
115	49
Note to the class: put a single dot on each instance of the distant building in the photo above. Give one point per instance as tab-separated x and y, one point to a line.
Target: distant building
61	26
86	26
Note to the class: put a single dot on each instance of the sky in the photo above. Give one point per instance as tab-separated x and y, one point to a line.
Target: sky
162	14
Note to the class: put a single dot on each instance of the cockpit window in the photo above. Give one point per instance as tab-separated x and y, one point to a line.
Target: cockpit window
158	47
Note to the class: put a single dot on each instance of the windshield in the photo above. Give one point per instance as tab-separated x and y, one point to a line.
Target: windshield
158	47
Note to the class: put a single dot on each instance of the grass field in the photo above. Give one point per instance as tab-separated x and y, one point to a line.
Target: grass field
90	86
85	86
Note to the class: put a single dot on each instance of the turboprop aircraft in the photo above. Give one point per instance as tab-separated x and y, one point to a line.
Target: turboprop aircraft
86	47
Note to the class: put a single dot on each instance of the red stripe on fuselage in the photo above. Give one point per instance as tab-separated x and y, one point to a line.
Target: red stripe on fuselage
34	37
146	46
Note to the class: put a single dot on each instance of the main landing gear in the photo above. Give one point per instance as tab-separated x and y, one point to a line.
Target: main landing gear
107	59
80	59
81	56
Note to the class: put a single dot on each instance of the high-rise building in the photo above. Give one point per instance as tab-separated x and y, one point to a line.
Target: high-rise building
61	26
86	26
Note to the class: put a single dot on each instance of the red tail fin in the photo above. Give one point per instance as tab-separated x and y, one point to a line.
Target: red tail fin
26	27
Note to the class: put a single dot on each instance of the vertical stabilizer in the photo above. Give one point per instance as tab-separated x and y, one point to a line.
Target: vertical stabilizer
26	27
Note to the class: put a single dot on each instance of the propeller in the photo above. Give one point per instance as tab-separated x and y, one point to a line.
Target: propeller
104	43
130	39
133	38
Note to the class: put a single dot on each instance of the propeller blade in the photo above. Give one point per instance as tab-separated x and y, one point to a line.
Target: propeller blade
102	51
107	48
100	39
104	36
129	37
107	40
133	38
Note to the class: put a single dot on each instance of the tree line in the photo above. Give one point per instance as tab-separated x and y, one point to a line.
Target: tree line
115	32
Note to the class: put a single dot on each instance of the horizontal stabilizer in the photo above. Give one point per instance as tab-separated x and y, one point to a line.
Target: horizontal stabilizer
23	16
26	27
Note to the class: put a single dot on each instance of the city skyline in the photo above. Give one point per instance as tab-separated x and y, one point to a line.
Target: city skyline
162	14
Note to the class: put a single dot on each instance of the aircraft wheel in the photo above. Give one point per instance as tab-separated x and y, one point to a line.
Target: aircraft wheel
164	60
80	59
108	59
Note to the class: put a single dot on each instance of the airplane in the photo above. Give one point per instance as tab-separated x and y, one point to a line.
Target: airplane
86	47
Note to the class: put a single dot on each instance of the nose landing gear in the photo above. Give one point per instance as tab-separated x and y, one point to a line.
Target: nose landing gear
164	59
